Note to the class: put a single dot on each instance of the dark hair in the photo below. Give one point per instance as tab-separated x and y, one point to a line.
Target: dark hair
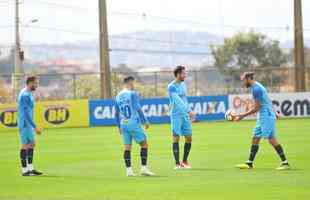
249	75
127	79
31	79
178	70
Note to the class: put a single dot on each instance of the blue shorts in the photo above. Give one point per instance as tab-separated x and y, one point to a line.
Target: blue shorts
27	135
133	131
265	128
181	125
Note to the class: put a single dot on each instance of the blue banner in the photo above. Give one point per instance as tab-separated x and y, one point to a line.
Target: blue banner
102	112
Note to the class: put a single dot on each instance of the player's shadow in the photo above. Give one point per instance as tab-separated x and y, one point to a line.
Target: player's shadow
204	169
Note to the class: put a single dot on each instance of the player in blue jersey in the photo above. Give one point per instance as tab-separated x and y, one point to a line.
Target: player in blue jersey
265	125
129	118
180	117
27	127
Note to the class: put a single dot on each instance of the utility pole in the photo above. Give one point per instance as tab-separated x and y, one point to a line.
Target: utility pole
105	78
16	78
300	84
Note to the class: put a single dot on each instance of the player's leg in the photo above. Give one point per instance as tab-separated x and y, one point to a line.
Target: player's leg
176	150
176	124
127	140
187	132
278	148
140	137
257	131
23	151
269	130
30	154
145	171
127	159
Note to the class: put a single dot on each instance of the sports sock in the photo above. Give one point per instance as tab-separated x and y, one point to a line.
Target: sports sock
30	159
253	151
127	158
187	149
143	154
280	152
176	152
23	158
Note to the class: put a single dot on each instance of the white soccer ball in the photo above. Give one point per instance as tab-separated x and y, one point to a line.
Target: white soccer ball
230	115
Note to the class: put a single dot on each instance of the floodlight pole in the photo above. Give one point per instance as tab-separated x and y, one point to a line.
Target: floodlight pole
105	79
300	83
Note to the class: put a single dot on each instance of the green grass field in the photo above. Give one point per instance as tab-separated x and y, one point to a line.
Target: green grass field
87	164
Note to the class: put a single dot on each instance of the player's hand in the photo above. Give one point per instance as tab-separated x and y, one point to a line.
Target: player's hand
120	131
238	117
192	115
278	115
38	131
146	126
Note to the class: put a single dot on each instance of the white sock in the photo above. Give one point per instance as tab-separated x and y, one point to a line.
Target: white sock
30	167
24	169
285	162
143	167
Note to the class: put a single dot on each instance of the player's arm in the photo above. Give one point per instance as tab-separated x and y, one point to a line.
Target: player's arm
137	106
117	116
184	107
26	102
258	95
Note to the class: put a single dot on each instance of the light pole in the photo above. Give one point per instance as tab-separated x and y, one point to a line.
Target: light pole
18	53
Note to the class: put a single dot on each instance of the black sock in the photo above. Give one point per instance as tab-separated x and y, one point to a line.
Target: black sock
30	156
253	151
127	158
143	154
187	149
176	152
23	157
280	152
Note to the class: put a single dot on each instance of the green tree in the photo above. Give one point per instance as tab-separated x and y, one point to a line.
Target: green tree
249	49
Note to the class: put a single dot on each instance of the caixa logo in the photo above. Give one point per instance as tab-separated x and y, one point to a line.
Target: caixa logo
57	115
9	118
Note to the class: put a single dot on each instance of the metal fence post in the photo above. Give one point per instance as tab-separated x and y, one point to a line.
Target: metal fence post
156	84
196	82
74	86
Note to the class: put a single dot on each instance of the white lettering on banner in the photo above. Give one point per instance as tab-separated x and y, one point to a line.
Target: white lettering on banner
155	110
288	104
203	108
104	112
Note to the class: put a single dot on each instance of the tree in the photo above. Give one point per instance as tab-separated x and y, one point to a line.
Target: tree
249	49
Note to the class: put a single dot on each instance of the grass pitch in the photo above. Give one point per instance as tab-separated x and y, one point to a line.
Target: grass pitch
87	163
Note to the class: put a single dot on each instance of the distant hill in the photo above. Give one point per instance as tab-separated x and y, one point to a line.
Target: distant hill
160	49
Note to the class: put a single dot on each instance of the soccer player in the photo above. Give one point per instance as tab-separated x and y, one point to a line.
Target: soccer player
180	117
27	127
265	125
129	118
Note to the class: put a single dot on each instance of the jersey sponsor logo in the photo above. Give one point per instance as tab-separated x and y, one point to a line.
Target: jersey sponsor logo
57	115
9	118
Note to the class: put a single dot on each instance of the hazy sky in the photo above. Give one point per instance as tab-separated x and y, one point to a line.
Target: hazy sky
70	20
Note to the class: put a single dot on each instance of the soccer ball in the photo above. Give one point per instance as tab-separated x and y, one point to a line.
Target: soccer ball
230	115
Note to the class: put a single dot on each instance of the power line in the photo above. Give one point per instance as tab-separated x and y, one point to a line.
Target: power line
147	51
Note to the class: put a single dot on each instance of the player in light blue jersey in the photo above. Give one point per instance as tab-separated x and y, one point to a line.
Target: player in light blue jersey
180	117
129	118
27	127
265	125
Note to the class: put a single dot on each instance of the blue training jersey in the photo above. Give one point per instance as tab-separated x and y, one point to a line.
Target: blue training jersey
128	109
178	98
25	109
260	94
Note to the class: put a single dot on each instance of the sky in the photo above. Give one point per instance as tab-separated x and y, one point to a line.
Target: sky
62	21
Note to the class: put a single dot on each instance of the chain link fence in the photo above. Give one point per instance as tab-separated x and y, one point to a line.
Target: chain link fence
153	84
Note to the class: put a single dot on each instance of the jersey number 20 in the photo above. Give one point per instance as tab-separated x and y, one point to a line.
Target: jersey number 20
126	110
